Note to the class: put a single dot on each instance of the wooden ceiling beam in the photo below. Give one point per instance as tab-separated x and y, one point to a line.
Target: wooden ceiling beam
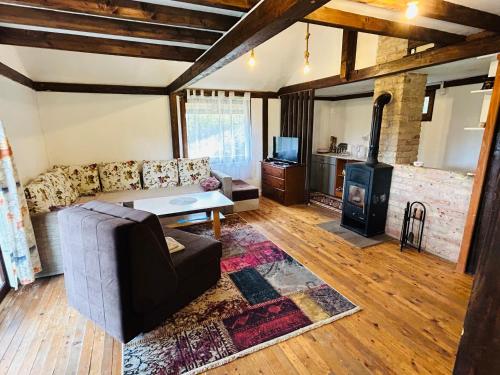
14	75
78	43
264	21
444	11
137	11
238	5
329	17
351	21
98	89
348	55
435	56
100	25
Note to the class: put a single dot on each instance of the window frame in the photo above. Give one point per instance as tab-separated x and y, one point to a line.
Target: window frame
431	94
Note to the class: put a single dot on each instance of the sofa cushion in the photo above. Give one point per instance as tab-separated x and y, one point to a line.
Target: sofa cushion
243	191
199	251
160	173
40	196
120	176
85	178
62	187
193	171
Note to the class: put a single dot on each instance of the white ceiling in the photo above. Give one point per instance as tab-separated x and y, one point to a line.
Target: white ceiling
76	67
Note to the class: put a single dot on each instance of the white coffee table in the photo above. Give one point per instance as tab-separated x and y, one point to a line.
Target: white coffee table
176	205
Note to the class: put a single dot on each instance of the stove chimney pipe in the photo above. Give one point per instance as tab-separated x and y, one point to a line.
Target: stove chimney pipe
378	108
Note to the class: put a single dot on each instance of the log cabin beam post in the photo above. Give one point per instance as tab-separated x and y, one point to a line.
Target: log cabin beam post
184	136
480	342
264	21
174	126
479	178
265	127
348	56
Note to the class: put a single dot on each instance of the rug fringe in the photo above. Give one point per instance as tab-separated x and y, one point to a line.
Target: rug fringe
266	344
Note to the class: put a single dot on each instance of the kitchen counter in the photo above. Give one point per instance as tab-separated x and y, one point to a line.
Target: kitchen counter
339	156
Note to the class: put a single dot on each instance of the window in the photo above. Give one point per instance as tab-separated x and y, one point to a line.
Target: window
219	126
428	108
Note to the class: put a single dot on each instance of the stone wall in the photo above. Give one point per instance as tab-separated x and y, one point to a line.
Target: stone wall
390	49
446	197
401	122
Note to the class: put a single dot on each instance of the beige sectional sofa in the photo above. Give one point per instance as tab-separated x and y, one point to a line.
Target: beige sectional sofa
111	182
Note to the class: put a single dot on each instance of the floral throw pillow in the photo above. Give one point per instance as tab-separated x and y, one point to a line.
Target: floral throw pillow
160	173
193	171
120	176
85	178
40	196
62	186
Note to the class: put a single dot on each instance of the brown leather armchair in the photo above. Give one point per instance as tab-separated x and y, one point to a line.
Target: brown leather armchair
119	273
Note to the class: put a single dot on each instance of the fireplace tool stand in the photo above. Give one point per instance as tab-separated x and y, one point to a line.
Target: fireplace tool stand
413	226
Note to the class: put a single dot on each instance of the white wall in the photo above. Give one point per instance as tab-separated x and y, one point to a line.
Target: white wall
19	115
444	143
348	120
256	115
274	123
84	128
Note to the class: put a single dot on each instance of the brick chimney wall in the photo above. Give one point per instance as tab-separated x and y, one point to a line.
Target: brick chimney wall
401	122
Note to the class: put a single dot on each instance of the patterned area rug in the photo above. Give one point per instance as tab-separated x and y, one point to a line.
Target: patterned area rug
263	297
326	201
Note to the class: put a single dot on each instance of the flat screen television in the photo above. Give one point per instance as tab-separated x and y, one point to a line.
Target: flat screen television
286	149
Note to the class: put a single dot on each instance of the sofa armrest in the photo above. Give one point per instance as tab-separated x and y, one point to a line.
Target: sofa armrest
46	229
226	182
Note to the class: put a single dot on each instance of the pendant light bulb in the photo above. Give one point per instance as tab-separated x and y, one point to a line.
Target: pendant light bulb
412	10
307	68
251	60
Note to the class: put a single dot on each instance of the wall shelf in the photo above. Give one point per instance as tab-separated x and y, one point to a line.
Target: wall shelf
487	91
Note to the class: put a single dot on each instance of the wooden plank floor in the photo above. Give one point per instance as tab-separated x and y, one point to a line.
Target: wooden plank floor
413	307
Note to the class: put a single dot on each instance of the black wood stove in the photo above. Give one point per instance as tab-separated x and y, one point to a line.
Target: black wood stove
367	185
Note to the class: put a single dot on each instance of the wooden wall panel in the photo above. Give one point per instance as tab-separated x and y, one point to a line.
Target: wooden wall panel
480	343
297	114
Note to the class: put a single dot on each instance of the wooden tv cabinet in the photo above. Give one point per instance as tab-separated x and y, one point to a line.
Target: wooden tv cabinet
284	183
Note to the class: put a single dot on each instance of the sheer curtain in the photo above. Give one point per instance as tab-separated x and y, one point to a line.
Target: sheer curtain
220	127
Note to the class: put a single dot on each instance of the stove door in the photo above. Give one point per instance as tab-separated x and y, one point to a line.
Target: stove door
356	196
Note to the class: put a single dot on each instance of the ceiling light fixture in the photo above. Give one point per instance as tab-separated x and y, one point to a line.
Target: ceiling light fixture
411	9
307	67
251	60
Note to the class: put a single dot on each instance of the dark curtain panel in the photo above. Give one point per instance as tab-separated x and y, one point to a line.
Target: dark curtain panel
297	113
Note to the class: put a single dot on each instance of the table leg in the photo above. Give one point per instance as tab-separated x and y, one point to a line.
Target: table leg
216	223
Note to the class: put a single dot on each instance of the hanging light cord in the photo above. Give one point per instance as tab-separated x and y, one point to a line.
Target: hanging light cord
306	53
